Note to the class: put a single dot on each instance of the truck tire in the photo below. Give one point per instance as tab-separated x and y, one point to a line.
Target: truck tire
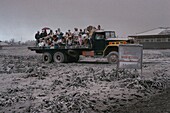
112	57
47	57
59	57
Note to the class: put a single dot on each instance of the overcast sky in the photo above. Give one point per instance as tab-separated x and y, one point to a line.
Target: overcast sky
20	19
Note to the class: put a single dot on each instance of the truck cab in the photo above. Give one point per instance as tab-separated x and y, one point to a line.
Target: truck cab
104	42
99	40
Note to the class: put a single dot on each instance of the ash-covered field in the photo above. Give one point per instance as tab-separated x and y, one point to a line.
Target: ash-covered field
27	85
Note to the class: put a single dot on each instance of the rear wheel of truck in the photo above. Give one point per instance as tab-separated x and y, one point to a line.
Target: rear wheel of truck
112	57
47	57
60	57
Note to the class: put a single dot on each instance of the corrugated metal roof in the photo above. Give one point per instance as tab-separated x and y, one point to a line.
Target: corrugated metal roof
157	31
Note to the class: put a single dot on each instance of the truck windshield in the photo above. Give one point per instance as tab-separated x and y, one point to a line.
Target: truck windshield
110	34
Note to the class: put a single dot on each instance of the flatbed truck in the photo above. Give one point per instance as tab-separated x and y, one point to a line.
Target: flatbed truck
103	44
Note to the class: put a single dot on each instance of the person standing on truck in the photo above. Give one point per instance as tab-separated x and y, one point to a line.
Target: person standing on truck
86	38
51	33
59	34
43	33
98	27
80	39
76	35
70	33
37	37
92	31
69	39
81	32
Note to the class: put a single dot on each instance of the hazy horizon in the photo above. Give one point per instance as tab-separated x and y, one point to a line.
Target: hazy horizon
20	19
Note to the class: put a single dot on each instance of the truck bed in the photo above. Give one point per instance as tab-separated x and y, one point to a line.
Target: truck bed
47	49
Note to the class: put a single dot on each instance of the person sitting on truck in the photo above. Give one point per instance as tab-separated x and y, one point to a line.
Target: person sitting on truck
81	33
86	39
66	37
45	42
48	43
64	40
59	42
49	35
69	41
41	43
54	42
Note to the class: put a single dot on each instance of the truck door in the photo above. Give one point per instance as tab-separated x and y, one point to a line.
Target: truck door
99	43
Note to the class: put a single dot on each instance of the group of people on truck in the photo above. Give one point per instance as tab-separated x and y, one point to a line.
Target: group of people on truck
78	37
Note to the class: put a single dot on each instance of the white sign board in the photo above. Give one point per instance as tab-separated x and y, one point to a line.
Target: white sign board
130	56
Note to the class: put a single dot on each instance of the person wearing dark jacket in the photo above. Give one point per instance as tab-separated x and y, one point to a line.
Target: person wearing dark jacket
43	34
37	37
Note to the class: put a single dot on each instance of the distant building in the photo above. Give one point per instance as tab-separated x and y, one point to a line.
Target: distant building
158	38
3	44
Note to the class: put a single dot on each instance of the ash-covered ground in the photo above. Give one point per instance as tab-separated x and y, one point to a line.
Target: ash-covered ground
27	85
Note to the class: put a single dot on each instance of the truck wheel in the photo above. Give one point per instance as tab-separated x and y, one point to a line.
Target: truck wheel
60	57
112	57
47	58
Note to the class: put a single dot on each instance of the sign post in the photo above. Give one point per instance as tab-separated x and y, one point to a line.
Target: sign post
130	56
